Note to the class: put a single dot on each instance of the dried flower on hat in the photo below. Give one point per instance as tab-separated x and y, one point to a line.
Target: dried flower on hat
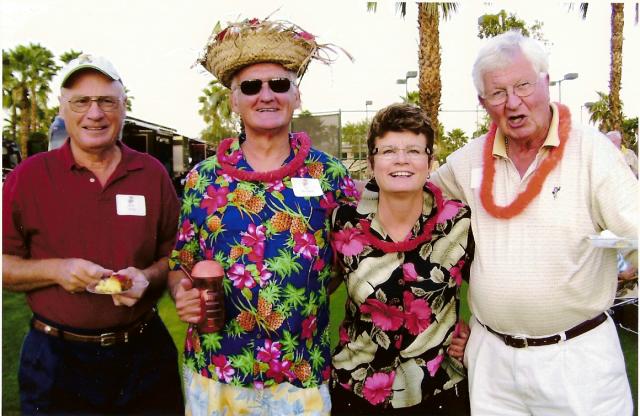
253	41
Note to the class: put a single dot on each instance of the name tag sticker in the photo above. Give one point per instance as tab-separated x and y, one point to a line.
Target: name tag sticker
476	178
306	187
131	205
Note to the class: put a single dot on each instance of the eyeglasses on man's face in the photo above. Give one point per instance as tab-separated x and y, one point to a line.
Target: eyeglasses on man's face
393	152
82	103
254	86
522	89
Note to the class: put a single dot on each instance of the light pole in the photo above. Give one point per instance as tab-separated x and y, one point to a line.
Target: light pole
567	77
405	81
366	116
586	105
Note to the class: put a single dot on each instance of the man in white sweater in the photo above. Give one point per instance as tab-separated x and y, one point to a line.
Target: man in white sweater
539	186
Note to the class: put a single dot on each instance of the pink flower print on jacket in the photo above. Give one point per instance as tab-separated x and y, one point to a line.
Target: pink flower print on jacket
275	186
409	272
305	244
241	277
378	387
434	365
387	318
456	272
270	351
451	208
186	231
223	369
417	313
214	199
328	202
349	188
255	238
349	241
309	326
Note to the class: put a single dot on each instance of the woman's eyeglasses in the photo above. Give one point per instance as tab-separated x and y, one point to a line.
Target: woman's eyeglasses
253	86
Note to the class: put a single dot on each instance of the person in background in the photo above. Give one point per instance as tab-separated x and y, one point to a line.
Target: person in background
629	155
539	185
57	133
403	251
260	207
74	215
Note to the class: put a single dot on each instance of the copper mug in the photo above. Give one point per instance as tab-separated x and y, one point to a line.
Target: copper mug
207	276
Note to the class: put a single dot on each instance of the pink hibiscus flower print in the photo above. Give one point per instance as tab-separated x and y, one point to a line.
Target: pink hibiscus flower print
270	351
387	318
434	365
326	373
309	326
265	274
278	370
186	231
214	199
449	211
275	186
318	264
344	335
456	272
349	241
254	235
241	277
409	272
305	244
417	313
349	188
224	371
208	252
328	202
378	387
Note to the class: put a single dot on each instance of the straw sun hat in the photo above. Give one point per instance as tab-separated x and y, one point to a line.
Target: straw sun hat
252	41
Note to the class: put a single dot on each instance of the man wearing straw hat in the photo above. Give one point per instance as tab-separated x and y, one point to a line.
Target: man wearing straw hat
261	208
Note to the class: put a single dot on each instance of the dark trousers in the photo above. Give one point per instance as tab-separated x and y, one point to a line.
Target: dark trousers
63	377
452	402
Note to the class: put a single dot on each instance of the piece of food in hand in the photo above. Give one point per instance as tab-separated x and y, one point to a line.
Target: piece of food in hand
116	283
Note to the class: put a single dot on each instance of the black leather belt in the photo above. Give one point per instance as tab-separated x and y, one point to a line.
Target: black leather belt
106	339
522	342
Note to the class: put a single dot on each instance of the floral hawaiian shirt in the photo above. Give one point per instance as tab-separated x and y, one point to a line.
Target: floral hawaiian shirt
403	300
274	248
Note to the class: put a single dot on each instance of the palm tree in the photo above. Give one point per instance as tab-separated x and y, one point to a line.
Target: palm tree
9	97
599	111
41	70
215	109
29	70
429	58
614	117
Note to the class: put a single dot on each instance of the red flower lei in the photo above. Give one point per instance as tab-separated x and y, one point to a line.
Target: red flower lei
537	180
406	245
301	138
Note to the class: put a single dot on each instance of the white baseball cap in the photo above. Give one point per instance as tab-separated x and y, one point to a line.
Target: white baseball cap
86	61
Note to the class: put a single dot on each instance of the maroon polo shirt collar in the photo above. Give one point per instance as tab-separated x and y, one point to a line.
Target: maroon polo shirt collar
129	162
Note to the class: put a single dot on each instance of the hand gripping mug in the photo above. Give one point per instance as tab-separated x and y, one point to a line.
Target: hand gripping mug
207	277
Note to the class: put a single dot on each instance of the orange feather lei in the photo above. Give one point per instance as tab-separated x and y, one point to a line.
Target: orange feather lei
537	180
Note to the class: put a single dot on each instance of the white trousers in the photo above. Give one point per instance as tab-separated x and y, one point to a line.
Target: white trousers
583	376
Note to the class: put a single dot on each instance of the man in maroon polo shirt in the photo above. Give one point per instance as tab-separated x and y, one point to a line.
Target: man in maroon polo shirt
72	216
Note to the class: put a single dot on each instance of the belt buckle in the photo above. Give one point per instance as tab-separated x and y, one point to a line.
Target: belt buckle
516	341
107	339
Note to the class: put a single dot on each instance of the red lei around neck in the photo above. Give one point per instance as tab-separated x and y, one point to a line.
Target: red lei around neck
304	146
406	245
537	180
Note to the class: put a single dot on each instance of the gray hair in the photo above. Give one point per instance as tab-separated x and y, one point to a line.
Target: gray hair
499	52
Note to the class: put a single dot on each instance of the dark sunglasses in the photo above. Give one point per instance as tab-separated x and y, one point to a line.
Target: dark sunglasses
253	86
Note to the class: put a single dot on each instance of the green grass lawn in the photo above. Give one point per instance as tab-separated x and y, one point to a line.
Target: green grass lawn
15	318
